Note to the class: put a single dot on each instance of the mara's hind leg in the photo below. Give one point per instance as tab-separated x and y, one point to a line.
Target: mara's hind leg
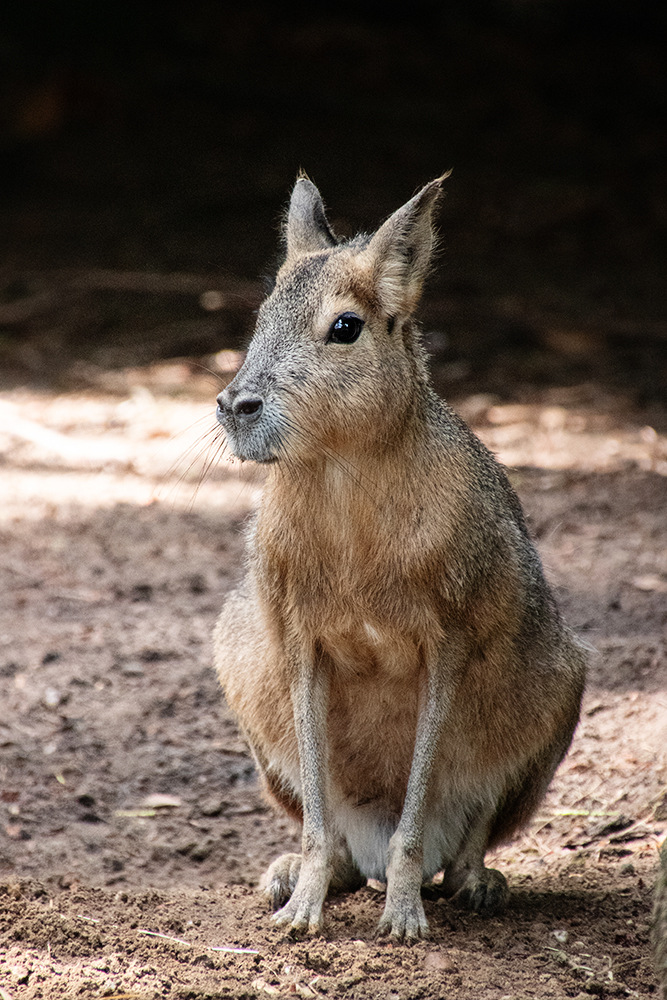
281	877
481	889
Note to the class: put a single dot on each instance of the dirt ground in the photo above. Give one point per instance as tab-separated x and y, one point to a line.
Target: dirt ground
133	834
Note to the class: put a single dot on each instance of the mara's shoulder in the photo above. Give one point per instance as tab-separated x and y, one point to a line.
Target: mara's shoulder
482	477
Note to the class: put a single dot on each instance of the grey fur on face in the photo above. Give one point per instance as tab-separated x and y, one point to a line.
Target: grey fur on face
295	377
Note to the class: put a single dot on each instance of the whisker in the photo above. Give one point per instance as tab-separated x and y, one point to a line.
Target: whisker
177	434
198	449
344	463
290	463
220	447
197	443
212	459
216	375
210	434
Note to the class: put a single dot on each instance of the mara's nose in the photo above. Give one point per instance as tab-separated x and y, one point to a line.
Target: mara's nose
245	406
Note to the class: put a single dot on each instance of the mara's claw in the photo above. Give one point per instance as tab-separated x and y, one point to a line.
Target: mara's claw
404	920
299	888
300	915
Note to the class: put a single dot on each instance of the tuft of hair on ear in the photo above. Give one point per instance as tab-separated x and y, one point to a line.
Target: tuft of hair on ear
402	249
306	228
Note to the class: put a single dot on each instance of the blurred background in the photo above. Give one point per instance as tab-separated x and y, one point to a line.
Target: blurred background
147	151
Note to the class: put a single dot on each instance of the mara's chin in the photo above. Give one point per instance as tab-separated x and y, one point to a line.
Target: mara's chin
250	451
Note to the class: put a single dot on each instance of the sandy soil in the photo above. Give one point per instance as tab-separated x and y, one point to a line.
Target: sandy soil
132	832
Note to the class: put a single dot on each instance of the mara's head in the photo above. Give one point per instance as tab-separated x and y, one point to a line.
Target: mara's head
335	363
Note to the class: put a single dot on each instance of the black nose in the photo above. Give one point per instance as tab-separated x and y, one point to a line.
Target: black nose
246	406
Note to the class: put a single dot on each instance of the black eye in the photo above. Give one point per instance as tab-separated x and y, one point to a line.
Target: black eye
346	329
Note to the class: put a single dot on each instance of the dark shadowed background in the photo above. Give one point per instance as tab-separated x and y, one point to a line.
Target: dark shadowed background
164	137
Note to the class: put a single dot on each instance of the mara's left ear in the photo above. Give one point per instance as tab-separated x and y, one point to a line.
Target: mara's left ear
400	252
306	226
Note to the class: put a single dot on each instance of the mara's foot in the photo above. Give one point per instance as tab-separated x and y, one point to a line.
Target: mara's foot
279	880
486	892
301	885
299	905
302	914
404	920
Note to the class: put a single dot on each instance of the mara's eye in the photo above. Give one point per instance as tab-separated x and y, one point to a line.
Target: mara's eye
346	329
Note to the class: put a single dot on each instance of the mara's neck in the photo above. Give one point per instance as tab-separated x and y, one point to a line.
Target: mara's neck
360	479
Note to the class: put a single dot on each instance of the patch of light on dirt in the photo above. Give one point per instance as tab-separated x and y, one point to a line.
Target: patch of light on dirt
96	451
29	495
558	438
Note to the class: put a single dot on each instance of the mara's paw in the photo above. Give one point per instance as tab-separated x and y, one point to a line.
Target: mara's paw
300	915
404	920
280	879
485	892
303	912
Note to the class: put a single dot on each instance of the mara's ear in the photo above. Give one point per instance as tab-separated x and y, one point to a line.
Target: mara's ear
306	226
400	252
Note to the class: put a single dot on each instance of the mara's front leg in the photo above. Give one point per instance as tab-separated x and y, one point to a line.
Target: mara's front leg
310	698
404	915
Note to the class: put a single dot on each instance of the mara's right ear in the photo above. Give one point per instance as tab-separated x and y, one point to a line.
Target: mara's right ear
306	227
401	251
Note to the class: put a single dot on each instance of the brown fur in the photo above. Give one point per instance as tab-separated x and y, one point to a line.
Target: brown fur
394	654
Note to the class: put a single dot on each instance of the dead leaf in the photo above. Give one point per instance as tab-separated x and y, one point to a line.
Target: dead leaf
136	813
612	825
638	832
159	801
651	581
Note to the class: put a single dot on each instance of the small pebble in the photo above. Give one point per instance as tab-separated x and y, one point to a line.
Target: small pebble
52	698
212	806
437	960
133	669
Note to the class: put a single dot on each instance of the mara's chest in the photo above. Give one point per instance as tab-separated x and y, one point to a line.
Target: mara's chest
360	652
355	610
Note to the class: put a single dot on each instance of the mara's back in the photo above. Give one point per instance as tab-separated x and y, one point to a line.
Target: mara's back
394	653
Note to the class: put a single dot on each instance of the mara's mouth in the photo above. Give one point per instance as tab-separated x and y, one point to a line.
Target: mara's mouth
250	448
257	441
